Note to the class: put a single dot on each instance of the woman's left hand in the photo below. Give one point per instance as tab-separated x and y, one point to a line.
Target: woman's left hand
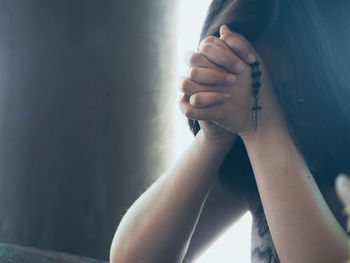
232	52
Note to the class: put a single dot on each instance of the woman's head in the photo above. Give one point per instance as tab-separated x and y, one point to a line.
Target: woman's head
296	36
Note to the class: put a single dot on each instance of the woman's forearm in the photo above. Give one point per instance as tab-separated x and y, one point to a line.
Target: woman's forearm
159	225
302	226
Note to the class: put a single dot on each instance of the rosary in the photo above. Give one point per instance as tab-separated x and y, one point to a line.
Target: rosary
256	74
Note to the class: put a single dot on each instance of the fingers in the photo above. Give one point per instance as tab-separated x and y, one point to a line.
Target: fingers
238	44
196	59
205	99
220	54
215	41
190	87
213	61
207	106
222	57
211	76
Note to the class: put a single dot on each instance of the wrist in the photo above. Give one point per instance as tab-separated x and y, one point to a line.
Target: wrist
270	124
220	142
272	136
207	155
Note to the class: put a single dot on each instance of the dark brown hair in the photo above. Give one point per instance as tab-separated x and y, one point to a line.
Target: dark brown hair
316	100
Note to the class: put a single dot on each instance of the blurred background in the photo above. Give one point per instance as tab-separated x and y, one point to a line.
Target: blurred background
89	114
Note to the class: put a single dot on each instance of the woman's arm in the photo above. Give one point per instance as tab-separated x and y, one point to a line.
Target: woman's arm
302	226
159	225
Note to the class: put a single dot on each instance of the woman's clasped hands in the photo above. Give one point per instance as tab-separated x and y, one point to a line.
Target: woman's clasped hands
218	91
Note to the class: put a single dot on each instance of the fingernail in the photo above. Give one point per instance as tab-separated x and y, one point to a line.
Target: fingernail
224	27
231	79
250	58
192	100
238	68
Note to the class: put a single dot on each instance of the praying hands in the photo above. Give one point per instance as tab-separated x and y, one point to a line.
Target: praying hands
219	91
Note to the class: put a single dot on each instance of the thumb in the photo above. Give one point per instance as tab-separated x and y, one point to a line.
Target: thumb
224	29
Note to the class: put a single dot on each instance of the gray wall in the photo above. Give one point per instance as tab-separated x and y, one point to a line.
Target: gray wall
84	116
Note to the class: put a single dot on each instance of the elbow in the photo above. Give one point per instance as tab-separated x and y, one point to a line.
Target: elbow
126	257
118	257
112	259
124	254
112	255
116	253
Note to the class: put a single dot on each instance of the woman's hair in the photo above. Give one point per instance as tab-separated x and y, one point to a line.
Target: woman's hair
315	101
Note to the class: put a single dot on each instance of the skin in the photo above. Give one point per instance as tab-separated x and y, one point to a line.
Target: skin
161	224
302	226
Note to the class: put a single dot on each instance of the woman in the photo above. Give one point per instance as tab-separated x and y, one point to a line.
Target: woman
285	169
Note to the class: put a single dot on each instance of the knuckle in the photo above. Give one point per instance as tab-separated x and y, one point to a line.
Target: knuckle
206	48
210	39
225	37
184	108
194	73
195	59
188	113
186	86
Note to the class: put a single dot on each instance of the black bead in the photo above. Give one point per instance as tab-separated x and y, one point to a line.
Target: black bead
256	85
256	108
255	64
256	74
255	92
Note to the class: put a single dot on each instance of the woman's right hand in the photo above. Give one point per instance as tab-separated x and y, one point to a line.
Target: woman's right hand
212	82
210	130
